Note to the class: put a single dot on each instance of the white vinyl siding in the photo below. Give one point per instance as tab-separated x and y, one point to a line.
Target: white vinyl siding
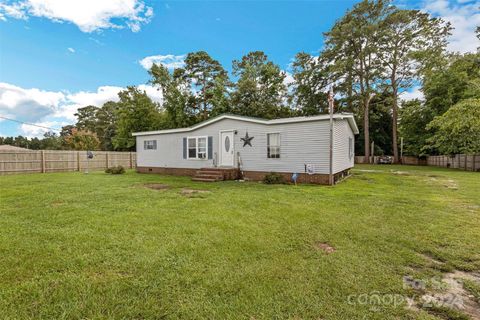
343	146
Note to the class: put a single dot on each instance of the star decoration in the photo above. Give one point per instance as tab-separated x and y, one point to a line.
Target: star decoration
247	140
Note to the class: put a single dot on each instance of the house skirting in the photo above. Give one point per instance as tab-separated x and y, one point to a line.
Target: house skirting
249	175
317	178
168	171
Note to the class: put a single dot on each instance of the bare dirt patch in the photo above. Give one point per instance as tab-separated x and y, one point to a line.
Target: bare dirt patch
157	186
325	247
56	203
447	183
401	173
431	258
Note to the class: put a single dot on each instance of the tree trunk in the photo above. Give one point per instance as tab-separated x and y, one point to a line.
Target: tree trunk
366	130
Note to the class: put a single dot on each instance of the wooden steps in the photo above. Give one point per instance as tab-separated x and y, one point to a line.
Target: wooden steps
214	174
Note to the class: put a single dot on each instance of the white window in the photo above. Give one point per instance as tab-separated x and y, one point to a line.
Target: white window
150	145
197	147
273	145
350	148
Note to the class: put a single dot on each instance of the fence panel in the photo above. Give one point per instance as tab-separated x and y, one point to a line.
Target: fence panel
62	161
458	161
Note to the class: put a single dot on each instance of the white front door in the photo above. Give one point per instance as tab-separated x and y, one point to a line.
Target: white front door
226	148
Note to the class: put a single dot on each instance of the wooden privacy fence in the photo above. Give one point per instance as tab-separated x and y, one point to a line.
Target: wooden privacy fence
55	161
458	161
405	160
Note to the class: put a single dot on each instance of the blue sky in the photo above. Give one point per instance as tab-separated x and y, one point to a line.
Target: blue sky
55	57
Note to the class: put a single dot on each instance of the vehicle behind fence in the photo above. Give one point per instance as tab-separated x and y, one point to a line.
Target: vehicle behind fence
42	161
458	161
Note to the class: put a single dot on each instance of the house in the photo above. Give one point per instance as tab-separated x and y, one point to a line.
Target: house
229	145
7	147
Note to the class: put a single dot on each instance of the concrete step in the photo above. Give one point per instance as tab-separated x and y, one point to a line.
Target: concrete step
217	169
204	179
209	176
217	173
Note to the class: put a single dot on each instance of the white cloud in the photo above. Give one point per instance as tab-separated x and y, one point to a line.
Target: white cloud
169	60
464	17
414	93
40	128
71	50
55	108
88	15
28	104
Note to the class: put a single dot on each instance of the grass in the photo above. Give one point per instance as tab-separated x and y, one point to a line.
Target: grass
103	246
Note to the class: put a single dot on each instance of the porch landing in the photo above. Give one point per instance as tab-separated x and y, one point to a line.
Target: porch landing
215	174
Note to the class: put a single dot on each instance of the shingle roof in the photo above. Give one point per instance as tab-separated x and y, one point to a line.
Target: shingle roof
7	147
347	116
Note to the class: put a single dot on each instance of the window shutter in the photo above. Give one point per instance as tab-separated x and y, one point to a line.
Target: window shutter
184	148
210	148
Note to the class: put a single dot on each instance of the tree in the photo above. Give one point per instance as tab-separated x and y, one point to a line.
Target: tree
87	118
106	119
351	49
458	130
177	99
209	80
82	140
408	38
308	90
260	90
414	119
51	141
136	112
458	79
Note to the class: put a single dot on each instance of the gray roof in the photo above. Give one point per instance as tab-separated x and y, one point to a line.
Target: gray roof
323	117
7	147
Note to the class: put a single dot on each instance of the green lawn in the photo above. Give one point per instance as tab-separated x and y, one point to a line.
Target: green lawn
102	246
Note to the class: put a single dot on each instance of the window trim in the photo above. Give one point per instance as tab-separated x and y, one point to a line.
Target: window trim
279	145
196	147
146	143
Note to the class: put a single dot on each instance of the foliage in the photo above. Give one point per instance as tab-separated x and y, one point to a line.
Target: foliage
413	127
309	88
209	81
136	112
458	129
82	140
115	170
457	80
260	90
50	141
96	246
273	178
177	101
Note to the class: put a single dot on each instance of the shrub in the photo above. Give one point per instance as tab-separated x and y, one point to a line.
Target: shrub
115	170
273	178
